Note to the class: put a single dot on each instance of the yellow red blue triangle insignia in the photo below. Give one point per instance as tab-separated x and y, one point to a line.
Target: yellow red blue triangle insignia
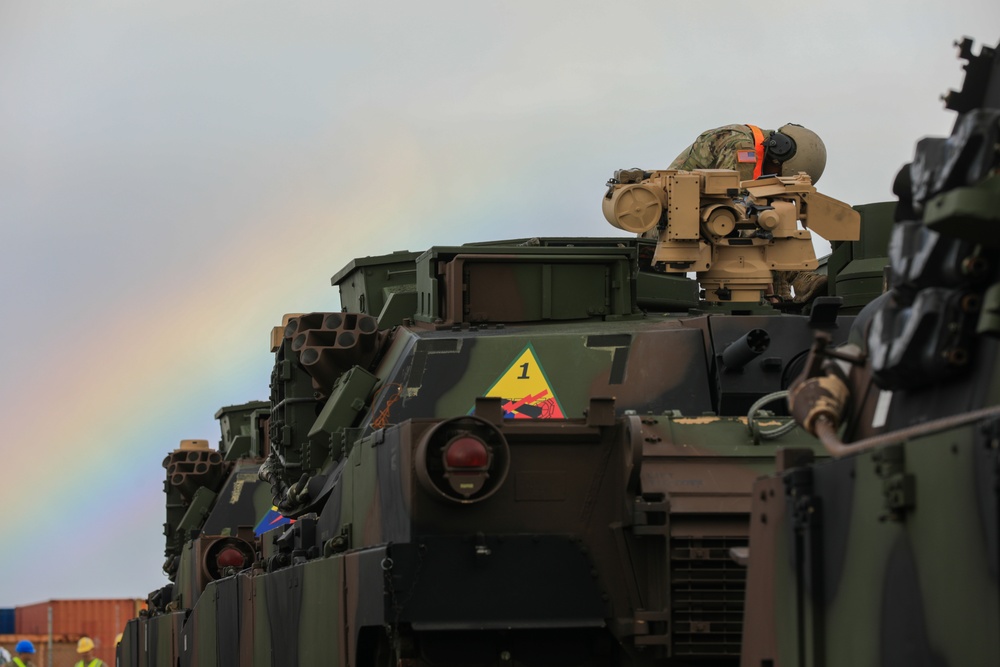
272	519
526	390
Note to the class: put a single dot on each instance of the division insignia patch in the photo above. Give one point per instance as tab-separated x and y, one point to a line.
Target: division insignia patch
525	390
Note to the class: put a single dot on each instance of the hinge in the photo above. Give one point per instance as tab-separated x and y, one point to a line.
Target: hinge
651	628
650	514
898	486
805	506
340	543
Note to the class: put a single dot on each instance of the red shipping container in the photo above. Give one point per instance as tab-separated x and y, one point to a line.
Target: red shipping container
101	620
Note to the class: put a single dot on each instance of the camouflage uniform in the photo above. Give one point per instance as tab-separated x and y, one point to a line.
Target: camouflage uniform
719	148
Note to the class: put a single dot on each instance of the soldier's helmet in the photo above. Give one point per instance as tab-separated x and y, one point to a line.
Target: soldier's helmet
797	149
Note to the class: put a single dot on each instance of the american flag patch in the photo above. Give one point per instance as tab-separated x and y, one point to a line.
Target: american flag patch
746	156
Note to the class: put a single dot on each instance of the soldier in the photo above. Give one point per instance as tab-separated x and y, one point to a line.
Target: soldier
85	647
755	153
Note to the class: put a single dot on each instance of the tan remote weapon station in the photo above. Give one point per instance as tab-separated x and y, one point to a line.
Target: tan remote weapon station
732	234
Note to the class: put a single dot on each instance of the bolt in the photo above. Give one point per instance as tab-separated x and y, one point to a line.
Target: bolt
971	303
957	356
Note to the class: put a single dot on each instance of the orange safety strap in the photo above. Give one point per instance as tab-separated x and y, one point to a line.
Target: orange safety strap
758	147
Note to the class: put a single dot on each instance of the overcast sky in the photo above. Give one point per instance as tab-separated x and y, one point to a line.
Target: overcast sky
174	176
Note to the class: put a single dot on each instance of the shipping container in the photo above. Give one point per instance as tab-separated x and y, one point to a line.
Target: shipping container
7	622
100	620
63	648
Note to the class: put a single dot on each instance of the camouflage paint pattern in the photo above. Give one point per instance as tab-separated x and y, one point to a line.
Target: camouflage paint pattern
920	588
889	554
443	517
719	148
605	534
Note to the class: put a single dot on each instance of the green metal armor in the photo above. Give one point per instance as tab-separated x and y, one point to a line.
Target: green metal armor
552	452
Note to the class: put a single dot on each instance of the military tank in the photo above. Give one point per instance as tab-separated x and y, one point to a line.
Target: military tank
887	552
573	451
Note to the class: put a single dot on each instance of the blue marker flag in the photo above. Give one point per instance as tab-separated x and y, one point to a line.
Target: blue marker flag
271	520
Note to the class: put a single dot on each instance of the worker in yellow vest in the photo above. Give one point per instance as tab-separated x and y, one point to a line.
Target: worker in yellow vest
25	652
85	648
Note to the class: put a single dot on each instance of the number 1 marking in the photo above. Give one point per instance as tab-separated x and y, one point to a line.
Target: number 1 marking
524	372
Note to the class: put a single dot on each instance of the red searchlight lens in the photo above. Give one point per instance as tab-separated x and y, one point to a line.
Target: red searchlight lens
468	453
230	557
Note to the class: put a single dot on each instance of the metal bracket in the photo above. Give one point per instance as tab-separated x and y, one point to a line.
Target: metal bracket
651	628
898	486
650	515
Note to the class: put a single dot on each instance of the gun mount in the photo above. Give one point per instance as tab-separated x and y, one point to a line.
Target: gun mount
731	233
